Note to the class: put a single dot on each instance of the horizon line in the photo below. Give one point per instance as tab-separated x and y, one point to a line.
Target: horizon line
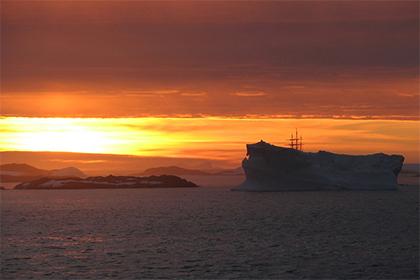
144	156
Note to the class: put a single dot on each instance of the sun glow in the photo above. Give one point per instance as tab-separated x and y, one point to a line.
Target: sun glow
76	139
210	137
73	135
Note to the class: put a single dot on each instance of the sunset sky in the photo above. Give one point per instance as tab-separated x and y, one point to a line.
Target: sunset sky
202	79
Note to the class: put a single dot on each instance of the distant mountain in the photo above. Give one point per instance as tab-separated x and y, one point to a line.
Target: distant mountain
173	170
411	168
101	164
235	171
108	182
180	171
20	172
18	168
66	172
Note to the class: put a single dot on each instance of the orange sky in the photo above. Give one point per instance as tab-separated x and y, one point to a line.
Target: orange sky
215	138
240	71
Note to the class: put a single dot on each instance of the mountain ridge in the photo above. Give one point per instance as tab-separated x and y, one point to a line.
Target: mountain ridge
22	172
176	170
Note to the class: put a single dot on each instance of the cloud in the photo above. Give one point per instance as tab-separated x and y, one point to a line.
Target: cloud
294	87
92	161
249	93
148	92
195	58
194	94
162	92
406	94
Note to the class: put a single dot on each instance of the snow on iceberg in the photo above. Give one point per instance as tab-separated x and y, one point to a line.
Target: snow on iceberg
272	168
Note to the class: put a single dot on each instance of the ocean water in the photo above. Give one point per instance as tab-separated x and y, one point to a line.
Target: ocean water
209	233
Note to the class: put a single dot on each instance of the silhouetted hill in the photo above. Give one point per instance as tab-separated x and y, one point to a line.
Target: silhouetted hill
66	172
411	168
21	167
21	172
100	164
173	170
235	171
180	171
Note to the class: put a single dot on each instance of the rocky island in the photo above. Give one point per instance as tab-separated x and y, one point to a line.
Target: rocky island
108	182
272	168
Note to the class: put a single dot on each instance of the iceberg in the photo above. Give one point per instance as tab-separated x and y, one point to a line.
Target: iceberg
271	168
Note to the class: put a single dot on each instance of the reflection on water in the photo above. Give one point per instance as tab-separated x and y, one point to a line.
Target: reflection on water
208	233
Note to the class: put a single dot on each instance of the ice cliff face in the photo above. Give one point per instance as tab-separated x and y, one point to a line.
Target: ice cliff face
271	168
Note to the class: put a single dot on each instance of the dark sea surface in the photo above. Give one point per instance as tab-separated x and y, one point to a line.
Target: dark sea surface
209	233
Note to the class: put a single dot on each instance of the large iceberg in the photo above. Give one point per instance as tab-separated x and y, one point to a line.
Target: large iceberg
272	168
